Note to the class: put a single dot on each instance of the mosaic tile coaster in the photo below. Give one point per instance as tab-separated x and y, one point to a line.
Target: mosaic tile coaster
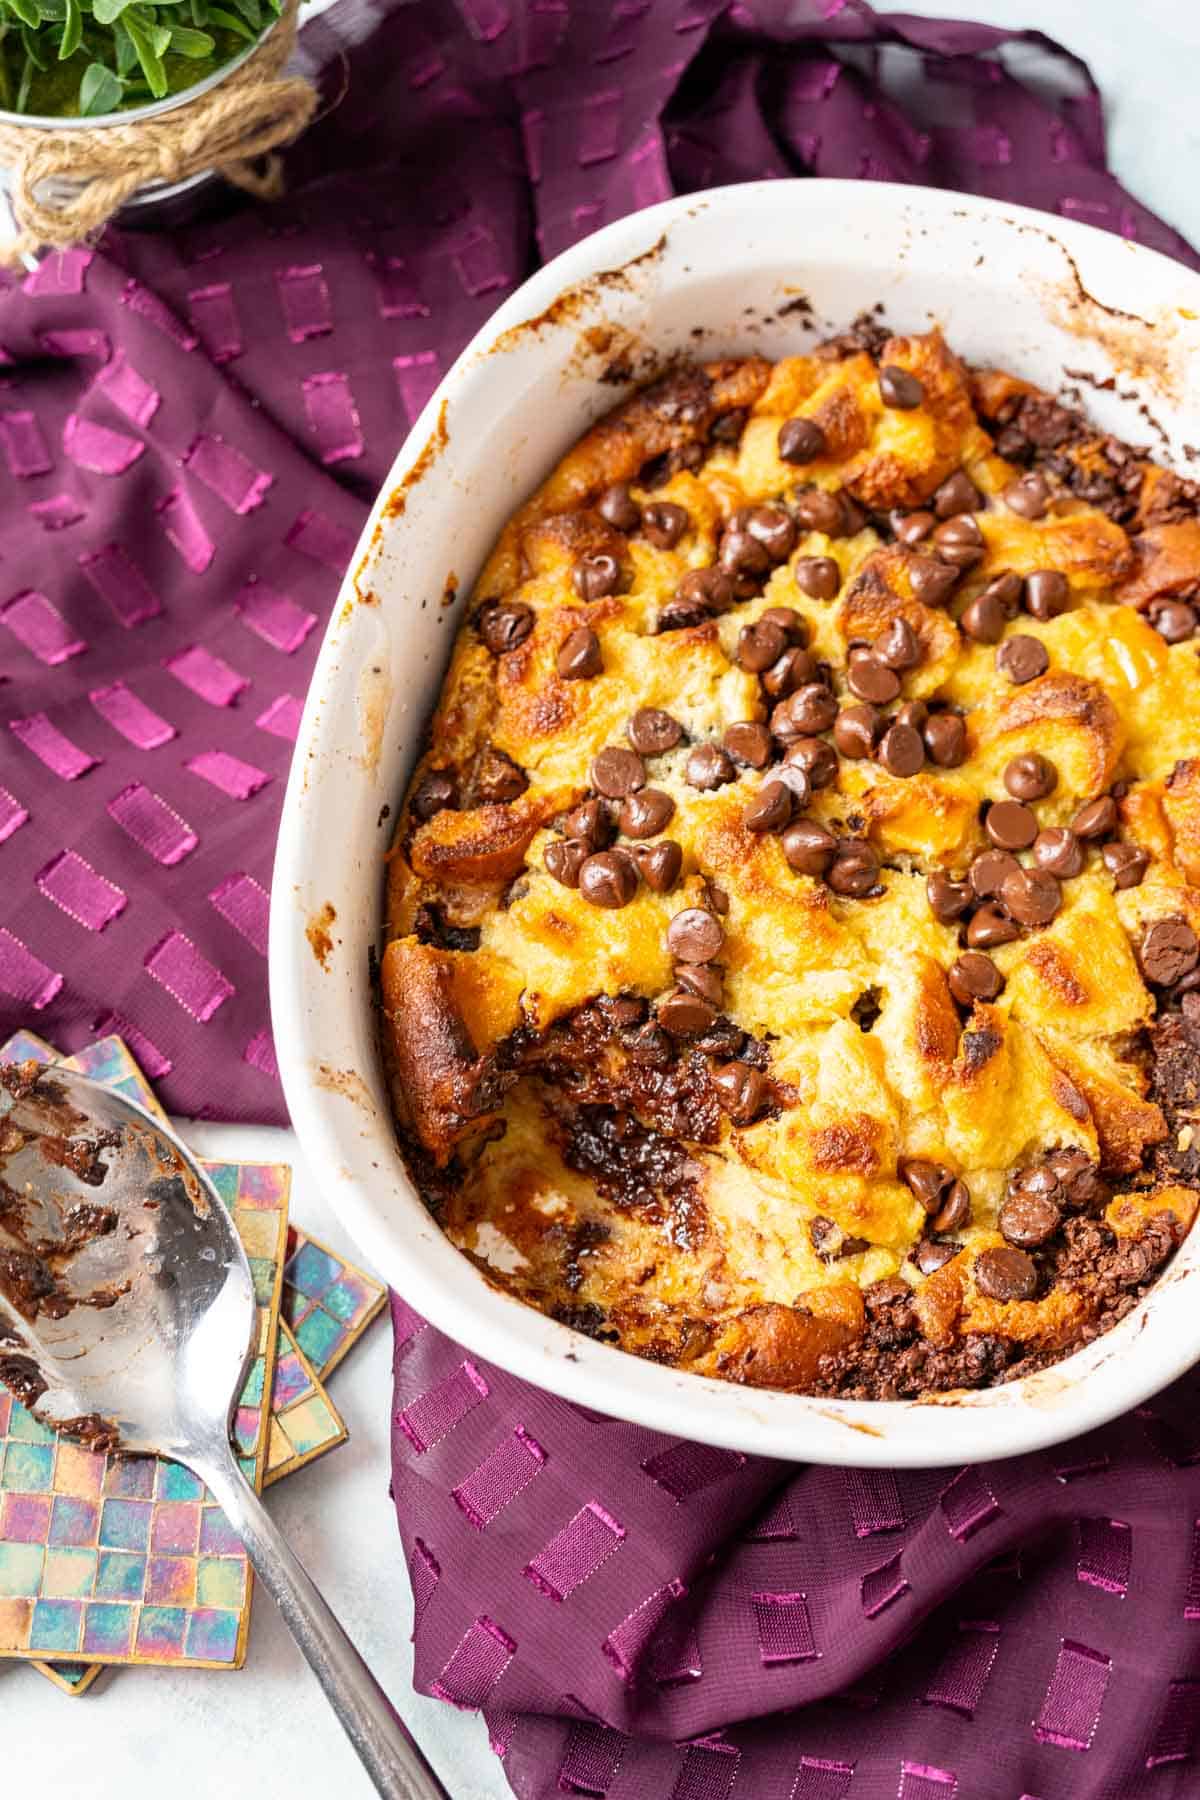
72	1679
104	1559
304	1421
327	1302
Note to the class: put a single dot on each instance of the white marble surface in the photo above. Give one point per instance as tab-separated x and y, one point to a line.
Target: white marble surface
265	1732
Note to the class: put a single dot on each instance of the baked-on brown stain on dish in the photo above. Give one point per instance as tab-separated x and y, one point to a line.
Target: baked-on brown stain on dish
317	931
575	299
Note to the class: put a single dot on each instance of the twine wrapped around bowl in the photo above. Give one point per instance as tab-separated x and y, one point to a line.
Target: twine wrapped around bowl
66	183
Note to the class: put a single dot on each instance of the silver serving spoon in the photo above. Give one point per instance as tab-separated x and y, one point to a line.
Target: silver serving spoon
127	1317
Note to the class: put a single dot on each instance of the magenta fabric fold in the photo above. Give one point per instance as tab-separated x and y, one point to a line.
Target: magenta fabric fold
192	424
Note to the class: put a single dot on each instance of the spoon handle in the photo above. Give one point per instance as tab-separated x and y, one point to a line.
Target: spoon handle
389	1752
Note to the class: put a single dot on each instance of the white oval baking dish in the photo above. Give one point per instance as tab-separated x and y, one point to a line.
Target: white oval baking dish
749	268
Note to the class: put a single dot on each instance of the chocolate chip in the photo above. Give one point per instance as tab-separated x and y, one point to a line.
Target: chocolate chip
770	809
974	977
773	528
608	878
659	864
931	1256
617	772
709	588
911	528
503	626
1098	819
1032	896
1169	950
932	582
813	758
945	735
818	510
808	847
694	935
948	899
901	751
579	655
741	1090
664	523
748	742
991	927
1059	851
801	441
1046	593
436	792
564	858
898	647
1022	659
794	669
985	617
650	1046
591	823
617	508
686	1015
1174	620
1078	1186
1030	777
857	730
742	554
728	427
498	780
596	576
1028	1220
759	645
898	389
1005	1274
1126	864
869	679
1010	825
788	620
914	713
806	713
716	897
955	1210
701	980
645	814
927	1180
989	870
854	870
1028	497
708	766
652	732
817	576
957	494
959	541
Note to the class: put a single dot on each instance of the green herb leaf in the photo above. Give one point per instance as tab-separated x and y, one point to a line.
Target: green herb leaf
186	42
26	11
142	35
34	47
217	15
106	11
126	54
26	80
72	34
100	91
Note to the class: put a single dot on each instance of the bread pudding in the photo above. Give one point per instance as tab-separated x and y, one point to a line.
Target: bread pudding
792	968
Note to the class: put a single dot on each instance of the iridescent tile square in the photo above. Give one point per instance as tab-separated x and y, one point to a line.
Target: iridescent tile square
78	1471
120	1576
262	1273
108	1630
217	1536
23	1425
57	1626
176	1529
261	1186
346	1298
25	1518
220	1581
311	1270
309	1424
125	1524
289	1382
130	1477
20	1569
224	1177
259	1231
15	1619
212	1635
28	1468
161	1631
74	1521
177	1483
319	1336
68	1574
172	1581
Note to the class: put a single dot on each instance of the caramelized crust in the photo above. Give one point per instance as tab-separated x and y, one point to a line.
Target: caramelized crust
713	1156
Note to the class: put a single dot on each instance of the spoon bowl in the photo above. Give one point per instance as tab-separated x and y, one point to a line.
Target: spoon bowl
127	1319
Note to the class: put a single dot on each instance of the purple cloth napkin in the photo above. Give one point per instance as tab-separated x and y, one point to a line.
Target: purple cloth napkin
192	426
